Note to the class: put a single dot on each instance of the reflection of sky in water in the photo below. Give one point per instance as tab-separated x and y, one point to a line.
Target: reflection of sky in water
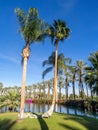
60	108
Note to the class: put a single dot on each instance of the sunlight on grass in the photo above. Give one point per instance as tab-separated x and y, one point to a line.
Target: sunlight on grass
10	121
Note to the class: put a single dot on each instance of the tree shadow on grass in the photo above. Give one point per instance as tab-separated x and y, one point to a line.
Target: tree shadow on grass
6	124
42	122
86	122
69	127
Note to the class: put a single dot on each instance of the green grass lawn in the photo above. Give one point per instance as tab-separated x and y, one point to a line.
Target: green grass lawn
10	121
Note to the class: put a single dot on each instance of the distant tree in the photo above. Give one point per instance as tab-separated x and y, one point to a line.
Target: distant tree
60	85
11	99
73	70
91	77
80	72
1	87
49	87
50	62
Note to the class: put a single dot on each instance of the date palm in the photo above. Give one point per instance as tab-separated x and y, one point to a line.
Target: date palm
92	72
49	87
1	87
58	32
50	62
67	81
60	85
11	99
89	80
65	69
80	72
32	29
73	70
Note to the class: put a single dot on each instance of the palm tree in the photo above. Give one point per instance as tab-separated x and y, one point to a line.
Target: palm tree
58	32
11	99
33	29
1	87
34	87
73	70
90	81
67	81
92	72
65	69
60	85
50	62
49	87
80	72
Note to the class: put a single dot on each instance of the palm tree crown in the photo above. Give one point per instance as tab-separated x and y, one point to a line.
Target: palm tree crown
31	26
59	31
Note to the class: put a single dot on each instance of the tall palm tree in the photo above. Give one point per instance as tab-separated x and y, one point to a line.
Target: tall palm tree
91	77
32	29
58	32
90	81
80	72
49	87
1	87
65	68
60	85
67	81
50	62
73	70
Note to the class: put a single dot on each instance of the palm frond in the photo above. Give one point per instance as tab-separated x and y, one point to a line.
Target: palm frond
46	71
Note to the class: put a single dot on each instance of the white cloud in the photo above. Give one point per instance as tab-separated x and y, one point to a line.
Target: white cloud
68	5
12	59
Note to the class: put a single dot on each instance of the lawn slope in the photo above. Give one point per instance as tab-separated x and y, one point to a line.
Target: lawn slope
10	121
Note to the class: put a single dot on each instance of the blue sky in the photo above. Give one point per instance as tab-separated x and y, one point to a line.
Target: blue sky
81	17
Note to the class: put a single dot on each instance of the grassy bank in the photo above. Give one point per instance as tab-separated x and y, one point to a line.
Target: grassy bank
9	121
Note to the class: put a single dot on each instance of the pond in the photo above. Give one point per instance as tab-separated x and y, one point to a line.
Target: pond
36	108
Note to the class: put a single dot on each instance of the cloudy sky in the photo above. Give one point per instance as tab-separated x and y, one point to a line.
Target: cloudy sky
81	17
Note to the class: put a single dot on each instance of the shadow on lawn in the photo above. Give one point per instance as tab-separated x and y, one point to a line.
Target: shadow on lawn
42	122
6	124
86	122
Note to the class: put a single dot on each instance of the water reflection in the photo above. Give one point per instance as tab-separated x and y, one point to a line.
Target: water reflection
36	108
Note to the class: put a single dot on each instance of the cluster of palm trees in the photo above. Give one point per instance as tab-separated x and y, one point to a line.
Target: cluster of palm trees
80	74
34	29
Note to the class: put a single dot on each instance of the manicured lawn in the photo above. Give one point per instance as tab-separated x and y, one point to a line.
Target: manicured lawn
10	121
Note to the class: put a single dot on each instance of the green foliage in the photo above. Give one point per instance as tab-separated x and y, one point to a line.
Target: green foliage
71	96
59	31
31	26
51	63
82	95
91	77
11	99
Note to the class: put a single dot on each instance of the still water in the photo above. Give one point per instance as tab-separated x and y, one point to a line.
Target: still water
36	108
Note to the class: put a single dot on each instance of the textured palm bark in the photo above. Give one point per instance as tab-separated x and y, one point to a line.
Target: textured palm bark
25	54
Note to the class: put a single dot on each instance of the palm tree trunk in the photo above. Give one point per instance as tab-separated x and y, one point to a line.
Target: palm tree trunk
87	90
23	88
73	85
25	54
50	111
66	88
48	94
56	72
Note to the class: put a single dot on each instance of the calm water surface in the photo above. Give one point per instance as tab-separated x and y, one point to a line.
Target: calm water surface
35	108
